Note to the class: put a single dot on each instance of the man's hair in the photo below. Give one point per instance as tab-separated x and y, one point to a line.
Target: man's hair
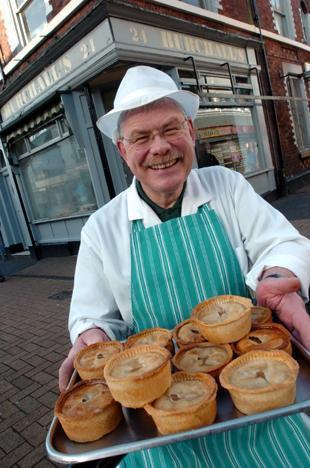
147	107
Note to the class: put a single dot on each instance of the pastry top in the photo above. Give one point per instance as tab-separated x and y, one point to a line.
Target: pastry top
260	315
137	362
187	332
186	391
182	395
202	357
267	336
84	400
96	355
151	336
221	309
260	373
260	370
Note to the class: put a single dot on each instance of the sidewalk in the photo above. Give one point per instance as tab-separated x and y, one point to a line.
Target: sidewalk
34	303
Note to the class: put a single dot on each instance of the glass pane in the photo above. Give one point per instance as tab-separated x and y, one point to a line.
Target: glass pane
19	147
301	115
58	181
34	17
43	136
227	136
193	2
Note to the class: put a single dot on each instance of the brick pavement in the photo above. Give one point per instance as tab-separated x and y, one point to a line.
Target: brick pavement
34	340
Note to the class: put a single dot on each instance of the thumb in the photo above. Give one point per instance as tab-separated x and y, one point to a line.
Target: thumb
281	285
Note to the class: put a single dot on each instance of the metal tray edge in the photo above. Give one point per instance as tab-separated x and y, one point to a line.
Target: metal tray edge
163	440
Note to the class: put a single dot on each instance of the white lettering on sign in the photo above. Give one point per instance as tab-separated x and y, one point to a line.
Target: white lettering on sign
79	55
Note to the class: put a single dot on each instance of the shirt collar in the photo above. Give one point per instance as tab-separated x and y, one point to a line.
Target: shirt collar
195	195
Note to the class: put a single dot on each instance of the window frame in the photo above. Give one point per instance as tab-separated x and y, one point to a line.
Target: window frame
296	118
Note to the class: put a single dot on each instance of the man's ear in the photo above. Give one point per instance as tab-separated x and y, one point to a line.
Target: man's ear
191	129
122	150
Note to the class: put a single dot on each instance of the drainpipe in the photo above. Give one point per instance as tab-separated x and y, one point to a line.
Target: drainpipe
280	179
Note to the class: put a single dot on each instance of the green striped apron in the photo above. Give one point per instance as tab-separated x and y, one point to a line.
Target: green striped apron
175	265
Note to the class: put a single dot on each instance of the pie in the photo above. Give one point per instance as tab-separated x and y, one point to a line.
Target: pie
187	332
87	411
203	357
90	361
189	403
223	319
261	380
152	336
260	315
138	375
267	336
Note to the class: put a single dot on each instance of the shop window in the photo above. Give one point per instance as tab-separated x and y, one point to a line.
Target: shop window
54	172
283	18
305	21
300	114
212	5
227	136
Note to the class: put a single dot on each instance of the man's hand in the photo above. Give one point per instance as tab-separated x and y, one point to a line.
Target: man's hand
280	295
90	336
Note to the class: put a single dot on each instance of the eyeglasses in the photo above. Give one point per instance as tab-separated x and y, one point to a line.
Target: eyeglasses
169	132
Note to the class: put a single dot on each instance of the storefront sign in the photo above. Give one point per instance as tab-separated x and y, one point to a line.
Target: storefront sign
161	40
82	53
127	35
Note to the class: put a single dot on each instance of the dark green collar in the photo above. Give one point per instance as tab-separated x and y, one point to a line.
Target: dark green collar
164	214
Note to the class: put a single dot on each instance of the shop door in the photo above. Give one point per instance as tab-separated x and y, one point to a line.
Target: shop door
78	114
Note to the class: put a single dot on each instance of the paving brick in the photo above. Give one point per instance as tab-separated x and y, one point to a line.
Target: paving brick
22	382
28	404
7	408
34	434
32	458
11	459
10	440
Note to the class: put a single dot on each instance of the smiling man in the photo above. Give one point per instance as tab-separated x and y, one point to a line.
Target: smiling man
174	238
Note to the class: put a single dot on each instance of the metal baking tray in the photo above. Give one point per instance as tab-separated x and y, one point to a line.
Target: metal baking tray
138	431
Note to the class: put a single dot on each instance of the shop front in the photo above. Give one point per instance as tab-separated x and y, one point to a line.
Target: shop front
65	169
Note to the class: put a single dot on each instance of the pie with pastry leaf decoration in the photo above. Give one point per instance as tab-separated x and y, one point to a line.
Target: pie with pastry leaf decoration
268	336
189	403
261	380
223	319
187	332
87	411
260	315
90	361
152	336
138	375
203	357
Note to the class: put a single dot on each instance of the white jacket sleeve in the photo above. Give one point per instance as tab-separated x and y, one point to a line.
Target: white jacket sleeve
93	304
269	238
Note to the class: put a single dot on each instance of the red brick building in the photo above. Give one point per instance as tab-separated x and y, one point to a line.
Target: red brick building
62	60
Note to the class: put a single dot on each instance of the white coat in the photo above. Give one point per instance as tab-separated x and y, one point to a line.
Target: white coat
260	235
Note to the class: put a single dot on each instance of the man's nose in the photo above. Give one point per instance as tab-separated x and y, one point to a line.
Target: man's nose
159	144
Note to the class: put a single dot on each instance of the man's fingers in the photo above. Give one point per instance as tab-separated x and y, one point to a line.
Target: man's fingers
65	372
282	285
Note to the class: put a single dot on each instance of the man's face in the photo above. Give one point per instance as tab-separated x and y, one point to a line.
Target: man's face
158	146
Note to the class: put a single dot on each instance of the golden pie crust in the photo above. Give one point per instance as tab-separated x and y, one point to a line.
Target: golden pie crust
138	375
90	361
87	411
261	380
203	357
269	336
223	319
260	315
152	336
189	403
187	332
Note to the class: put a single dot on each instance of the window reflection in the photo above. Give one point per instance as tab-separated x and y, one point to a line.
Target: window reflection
226	136
58	181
